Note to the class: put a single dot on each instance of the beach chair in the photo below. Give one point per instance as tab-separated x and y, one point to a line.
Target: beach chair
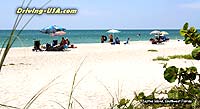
37	46
117	41
55	42
127	41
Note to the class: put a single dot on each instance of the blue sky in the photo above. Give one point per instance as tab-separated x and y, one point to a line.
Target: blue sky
106	14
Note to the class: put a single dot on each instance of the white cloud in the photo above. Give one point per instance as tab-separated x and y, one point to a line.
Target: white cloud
191	5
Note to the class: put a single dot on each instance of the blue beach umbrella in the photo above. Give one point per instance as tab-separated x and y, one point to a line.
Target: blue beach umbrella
52	29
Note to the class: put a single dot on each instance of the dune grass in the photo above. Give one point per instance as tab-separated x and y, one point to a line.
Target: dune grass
7	106
41	91
161	58
152	50
187	56
73	87
46	87
11	39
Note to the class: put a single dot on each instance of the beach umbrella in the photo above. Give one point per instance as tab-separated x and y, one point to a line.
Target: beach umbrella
58	33
155	32
59	28
113	31
164	33
52	29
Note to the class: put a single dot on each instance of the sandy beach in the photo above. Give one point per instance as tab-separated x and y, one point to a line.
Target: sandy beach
122	69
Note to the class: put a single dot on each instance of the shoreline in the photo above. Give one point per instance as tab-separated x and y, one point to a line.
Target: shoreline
122	43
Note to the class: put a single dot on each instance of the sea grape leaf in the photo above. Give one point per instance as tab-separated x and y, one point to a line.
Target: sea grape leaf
194	44
192	30
123	102
130	107
196	53
198	39
185	27
173	93
188	40
193	73
193	69
183	32
170	74
141	96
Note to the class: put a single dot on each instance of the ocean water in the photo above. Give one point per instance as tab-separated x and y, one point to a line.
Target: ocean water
27	37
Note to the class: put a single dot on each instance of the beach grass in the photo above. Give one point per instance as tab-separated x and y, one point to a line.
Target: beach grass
161	58
187	56
9	107
73	87
11	39
41	91
152	50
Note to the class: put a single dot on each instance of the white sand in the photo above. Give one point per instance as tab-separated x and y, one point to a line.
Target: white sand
123	69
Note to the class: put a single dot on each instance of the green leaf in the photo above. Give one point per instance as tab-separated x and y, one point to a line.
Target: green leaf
198	39
194	43
192	76
188	40
193	72
170	74
183	32
173	93
196	53
185	27
193	69
141	96
183	80
192	30
130	107
122	101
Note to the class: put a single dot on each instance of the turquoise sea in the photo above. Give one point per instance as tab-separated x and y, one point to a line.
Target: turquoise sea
27	37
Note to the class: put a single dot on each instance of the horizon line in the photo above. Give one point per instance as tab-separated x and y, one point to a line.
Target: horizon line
110	28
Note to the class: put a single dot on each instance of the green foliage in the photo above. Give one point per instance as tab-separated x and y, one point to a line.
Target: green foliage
170	74
123	104
160	58
188	87
196	53
152	50
188	79
191	35
188	56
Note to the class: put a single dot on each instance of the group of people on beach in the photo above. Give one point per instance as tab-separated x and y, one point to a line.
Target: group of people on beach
159	39
112	40
64	44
